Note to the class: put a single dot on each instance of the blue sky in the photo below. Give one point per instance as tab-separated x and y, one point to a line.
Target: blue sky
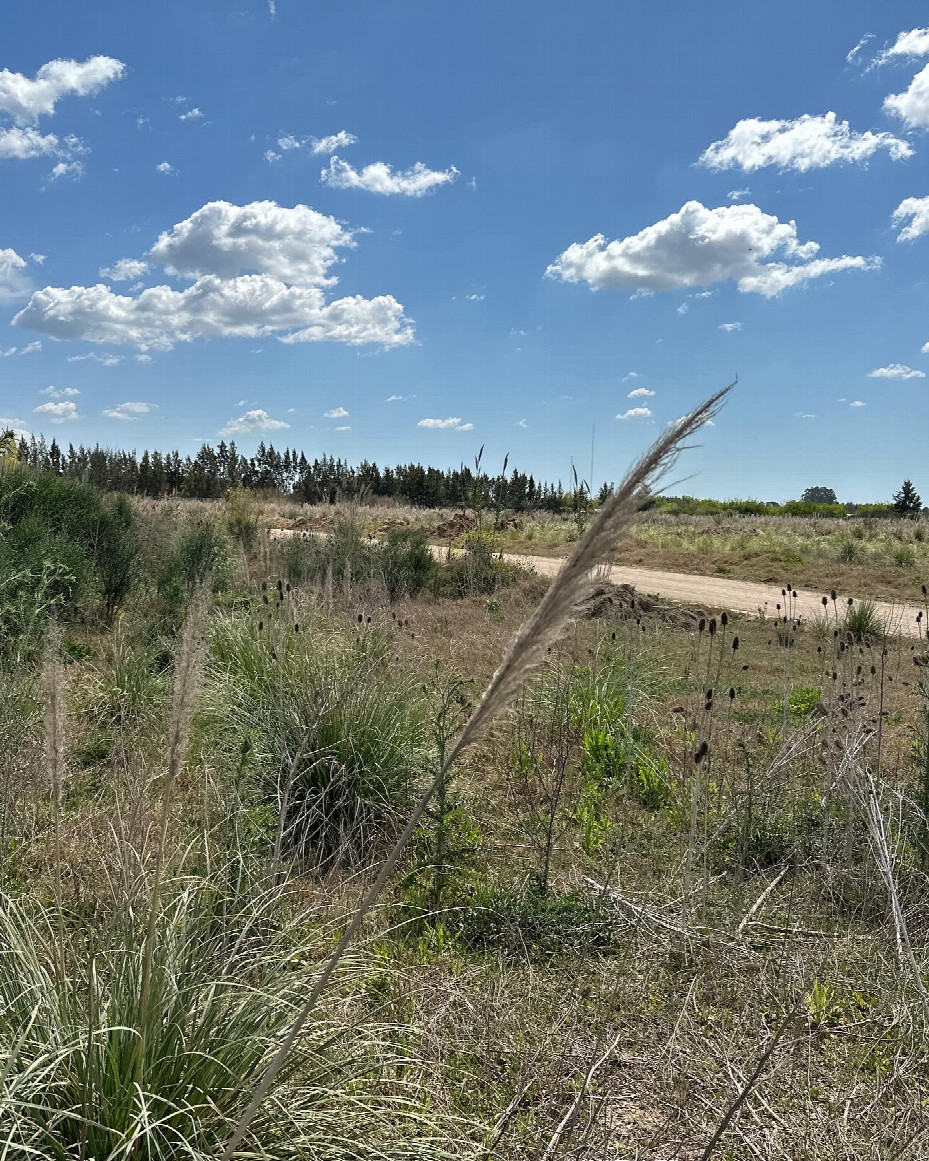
524	213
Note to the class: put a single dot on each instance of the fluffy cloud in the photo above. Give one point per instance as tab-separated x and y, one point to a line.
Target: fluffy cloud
334	141
640	393
378	177
58	412
296	245
399	398
337	413
698	246
128	411
13	282
896	371
858	403
25	99
124	270
913	43
917	210
291	248
730	327
453	423
191	115
912	105
165	167
636	413
251	421
59	392
249	306
809	142
21	144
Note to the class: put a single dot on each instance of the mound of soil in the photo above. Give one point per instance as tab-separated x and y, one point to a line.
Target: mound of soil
310	524
622	602
459	525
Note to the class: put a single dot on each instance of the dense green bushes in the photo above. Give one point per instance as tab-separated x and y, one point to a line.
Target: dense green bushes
65	550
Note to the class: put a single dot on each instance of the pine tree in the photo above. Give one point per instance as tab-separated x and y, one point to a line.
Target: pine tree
906	502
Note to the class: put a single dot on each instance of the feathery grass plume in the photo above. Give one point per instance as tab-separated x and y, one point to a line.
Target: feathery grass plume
187	668
541	629
56	710
53	683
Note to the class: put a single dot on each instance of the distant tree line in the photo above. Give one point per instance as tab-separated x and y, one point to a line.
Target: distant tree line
213	471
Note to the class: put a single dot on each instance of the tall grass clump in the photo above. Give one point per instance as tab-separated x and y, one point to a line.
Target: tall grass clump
401	564
336	739
99	1065
199	552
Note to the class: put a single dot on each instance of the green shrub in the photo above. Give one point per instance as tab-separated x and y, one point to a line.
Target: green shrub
64	550
477	571
498	918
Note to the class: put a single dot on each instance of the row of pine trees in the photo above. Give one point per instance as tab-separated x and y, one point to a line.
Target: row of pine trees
213	471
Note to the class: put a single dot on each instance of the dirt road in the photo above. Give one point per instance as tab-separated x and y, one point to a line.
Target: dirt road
723	593
713	592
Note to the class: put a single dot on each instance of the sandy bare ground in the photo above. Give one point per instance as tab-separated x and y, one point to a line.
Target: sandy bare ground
716	592
734	595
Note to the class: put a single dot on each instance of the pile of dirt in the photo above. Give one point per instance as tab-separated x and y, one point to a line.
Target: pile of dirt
459	525
623	603
310	524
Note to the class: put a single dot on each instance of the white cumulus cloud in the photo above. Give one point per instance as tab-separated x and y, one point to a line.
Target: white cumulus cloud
21	144
336	413
858	403
379	177
912	105
896	371
697	247
164	167
59	392
453	423
128	411
640	393
913	43
917	211
730	327
193	114
124	270
292	250
58	412
26	99
809	142
13	282
636	413
249	306
334	141
251	421
294	244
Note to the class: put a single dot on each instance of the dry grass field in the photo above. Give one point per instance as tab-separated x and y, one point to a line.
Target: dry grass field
671	902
